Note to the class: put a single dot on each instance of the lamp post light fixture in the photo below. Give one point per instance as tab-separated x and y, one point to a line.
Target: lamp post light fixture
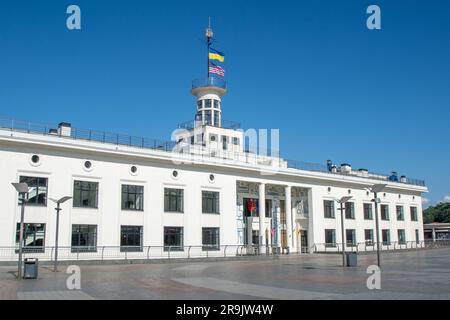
22	189
58	209
342	201
375	189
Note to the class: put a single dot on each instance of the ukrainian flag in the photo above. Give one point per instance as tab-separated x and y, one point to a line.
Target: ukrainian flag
216	55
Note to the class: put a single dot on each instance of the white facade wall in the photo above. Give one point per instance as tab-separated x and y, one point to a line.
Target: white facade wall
62	163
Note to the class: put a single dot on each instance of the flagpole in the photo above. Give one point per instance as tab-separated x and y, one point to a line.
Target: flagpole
209	36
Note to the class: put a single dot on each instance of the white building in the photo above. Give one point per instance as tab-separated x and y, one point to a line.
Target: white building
135	197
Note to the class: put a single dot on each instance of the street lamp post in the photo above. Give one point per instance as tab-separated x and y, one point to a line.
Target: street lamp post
341	201
22	189
375	189
58	209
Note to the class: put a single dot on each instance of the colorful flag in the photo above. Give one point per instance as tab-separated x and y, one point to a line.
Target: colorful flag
216	55
213	68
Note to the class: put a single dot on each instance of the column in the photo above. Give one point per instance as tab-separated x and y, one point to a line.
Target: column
288	210
434	234
262	212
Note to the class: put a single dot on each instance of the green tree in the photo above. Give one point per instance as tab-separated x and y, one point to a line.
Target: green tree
437	213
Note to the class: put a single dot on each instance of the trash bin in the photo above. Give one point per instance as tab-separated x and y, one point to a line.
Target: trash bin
352	259
30	268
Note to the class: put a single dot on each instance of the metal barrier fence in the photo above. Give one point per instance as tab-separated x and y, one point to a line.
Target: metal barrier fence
103	253
372	247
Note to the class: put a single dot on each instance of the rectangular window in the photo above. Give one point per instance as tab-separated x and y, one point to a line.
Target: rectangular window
417	236
401	236
210	239
173	239
350	236
132	197
330	237
84	238
33	237
224	142
192	139
210	202
216	119
368	211
236	141
328	208
85	194
349	210
269	208
255	237
384	212
413	211
173	200
386	236
37	190
368	236
400	214
131	238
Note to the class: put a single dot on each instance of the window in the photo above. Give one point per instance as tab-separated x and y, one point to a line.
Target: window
132	197
236	141
400	215
208	117
207	103
413	211
173	200
255	237
368	236
216	118
330	237
210	239
215	104
84	238
37	190
33	237
328	207
401	236
85	194
173	239
350	236
212	137
192	139
131	238
210	202
269	208
386	236
349	210
384	212
224	142
417	236
368	211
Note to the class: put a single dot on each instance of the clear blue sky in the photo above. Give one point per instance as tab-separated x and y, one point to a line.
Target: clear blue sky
375	99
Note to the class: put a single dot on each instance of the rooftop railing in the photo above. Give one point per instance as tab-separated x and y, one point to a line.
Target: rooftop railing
226	124
168	146
209	82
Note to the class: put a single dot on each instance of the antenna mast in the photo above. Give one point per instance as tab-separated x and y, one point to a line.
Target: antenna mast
209	37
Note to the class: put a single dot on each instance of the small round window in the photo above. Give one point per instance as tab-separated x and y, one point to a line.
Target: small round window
35	159
133	169
211	177
175	173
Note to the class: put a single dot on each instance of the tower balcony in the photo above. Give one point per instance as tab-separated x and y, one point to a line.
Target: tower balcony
211	84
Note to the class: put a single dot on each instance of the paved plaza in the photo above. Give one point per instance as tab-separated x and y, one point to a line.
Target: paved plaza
422	274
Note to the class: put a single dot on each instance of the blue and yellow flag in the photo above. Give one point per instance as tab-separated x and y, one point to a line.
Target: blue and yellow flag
216	55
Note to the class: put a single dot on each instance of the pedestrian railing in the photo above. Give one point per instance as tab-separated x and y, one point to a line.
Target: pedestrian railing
104	253
369	246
